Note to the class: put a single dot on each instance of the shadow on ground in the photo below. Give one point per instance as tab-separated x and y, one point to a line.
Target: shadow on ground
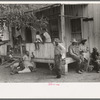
43	74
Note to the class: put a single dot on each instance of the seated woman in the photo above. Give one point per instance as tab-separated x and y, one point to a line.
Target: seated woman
95	61
25	65
28	64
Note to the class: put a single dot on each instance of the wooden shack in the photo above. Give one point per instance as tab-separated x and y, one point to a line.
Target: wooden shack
66	21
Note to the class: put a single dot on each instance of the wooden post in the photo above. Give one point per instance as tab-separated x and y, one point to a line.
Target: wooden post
62	24
10	35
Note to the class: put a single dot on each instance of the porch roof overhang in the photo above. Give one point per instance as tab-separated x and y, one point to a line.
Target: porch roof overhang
54	5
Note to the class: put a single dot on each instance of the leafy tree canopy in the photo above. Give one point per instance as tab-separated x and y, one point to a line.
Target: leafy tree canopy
16	16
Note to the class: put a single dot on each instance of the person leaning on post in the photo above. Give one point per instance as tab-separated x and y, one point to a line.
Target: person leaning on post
59	51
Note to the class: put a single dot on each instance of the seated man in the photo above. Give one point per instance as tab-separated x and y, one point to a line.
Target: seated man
95	61
84	48
75	54
84	51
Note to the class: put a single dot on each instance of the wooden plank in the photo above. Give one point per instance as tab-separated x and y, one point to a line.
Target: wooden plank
91	28
3	49
46	50
44	60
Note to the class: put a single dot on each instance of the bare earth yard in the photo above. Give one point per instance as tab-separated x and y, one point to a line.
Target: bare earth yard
43	74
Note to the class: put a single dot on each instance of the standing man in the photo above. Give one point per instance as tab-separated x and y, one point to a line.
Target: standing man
59	54
46	35
75	54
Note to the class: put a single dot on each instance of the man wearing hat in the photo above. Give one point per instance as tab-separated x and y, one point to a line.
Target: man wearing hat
82	46
59	53
85	52
75	54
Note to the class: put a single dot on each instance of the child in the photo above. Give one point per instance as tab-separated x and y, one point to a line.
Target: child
38	40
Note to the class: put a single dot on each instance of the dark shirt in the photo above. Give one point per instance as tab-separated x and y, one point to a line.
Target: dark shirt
94	56
73	50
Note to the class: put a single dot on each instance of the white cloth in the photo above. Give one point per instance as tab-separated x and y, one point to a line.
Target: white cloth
63	51
85	51
26	70
47	36
38	38
27	61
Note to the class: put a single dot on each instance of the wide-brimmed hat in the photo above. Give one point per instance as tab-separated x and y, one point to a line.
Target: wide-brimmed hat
57	40
83	40
94	49
74	41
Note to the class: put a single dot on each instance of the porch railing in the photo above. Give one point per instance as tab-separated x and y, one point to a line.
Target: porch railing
46	50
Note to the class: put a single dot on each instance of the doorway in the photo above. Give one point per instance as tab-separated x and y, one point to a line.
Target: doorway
28	35
76	30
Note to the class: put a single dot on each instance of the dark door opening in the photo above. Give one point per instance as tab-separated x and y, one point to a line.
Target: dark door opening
76	30
28	35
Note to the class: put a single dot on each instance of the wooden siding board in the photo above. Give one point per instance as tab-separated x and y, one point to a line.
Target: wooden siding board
46	50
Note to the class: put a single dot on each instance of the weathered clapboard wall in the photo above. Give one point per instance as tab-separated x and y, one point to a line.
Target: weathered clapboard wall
90	29
45	52
3	49
72	12
96	24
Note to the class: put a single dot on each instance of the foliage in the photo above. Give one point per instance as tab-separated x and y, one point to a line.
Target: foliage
16	15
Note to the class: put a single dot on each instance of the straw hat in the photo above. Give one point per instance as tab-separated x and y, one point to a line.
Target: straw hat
83	40
74	41
57	40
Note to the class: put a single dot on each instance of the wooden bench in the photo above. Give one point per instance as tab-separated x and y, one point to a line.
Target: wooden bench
68	61
64	69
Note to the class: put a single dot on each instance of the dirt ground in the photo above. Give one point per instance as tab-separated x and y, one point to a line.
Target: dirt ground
43	74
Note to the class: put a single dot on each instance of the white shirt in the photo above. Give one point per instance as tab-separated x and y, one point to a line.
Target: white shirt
63	51
47	36
38	38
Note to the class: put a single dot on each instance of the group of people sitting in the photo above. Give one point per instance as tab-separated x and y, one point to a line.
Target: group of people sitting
23	65
84	59
77	50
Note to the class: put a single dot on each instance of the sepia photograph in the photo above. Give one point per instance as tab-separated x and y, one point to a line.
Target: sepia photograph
49	42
